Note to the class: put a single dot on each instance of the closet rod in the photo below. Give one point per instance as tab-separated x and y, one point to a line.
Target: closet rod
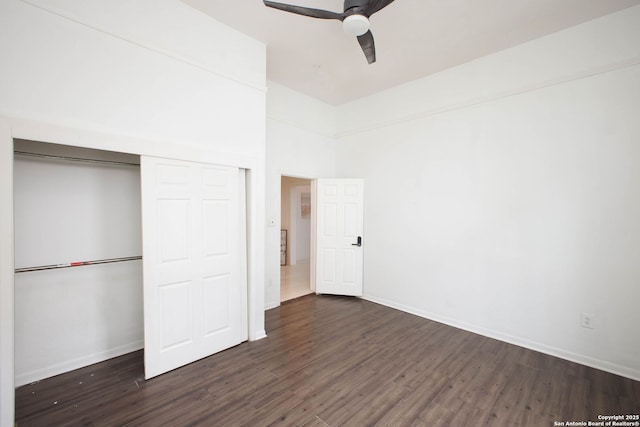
75	159
77	264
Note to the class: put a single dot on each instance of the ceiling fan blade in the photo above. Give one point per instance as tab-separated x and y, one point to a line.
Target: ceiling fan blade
376	5
368	46
306	11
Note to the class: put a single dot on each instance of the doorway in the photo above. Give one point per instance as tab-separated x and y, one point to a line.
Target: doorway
295	242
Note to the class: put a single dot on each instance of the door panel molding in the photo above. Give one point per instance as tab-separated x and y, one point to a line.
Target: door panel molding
195	292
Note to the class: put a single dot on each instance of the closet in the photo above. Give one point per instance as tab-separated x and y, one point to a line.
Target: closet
84	291
78	258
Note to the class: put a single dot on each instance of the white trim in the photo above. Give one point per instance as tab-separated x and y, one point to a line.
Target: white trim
314	235
255	287
22	128
7	388
521	342
473	102
259	335
271	305
70	365
243	245
255	254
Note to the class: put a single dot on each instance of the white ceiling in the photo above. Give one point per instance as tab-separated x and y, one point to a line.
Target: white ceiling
414	38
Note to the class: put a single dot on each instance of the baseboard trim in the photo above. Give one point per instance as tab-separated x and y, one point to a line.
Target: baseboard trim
602	365
70	365
259	335
271	305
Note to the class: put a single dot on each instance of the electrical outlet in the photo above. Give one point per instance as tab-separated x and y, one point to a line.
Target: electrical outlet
588	321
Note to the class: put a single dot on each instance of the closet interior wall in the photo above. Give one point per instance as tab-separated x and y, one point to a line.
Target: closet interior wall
69	211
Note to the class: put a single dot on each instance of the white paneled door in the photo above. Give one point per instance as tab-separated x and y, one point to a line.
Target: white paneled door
194	292
339	236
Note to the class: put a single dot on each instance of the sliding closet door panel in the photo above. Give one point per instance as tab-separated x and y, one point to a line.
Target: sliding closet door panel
222	297
194	291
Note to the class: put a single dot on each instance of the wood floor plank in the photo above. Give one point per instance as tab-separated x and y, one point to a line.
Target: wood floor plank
334	361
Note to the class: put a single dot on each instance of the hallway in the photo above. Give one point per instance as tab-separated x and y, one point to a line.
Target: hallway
294	280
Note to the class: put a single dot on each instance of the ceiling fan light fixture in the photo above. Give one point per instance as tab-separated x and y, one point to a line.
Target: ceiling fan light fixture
356	25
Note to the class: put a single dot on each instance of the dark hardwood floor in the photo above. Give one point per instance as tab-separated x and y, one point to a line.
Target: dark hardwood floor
332	361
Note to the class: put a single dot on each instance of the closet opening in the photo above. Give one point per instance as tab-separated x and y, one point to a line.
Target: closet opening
78	258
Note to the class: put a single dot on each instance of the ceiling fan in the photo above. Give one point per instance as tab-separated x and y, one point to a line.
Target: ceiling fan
355	19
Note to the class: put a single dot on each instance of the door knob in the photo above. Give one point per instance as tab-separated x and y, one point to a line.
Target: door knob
359	242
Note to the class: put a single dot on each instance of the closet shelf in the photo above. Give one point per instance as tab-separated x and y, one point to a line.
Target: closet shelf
76	159
77	264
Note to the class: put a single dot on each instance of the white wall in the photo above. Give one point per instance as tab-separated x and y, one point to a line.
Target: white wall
79	76
501	195
300	143
6	275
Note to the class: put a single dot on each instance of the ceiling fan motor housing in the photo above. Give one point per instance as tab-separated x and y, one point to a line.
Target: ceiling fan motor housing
350	4
356	23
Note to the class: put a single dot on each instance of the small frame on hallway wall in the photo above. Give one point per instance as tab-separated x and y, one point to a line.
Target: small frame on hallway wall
305	205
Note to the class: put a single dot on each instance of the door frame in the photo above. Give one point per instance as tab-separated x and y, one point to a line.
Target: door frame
12	128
